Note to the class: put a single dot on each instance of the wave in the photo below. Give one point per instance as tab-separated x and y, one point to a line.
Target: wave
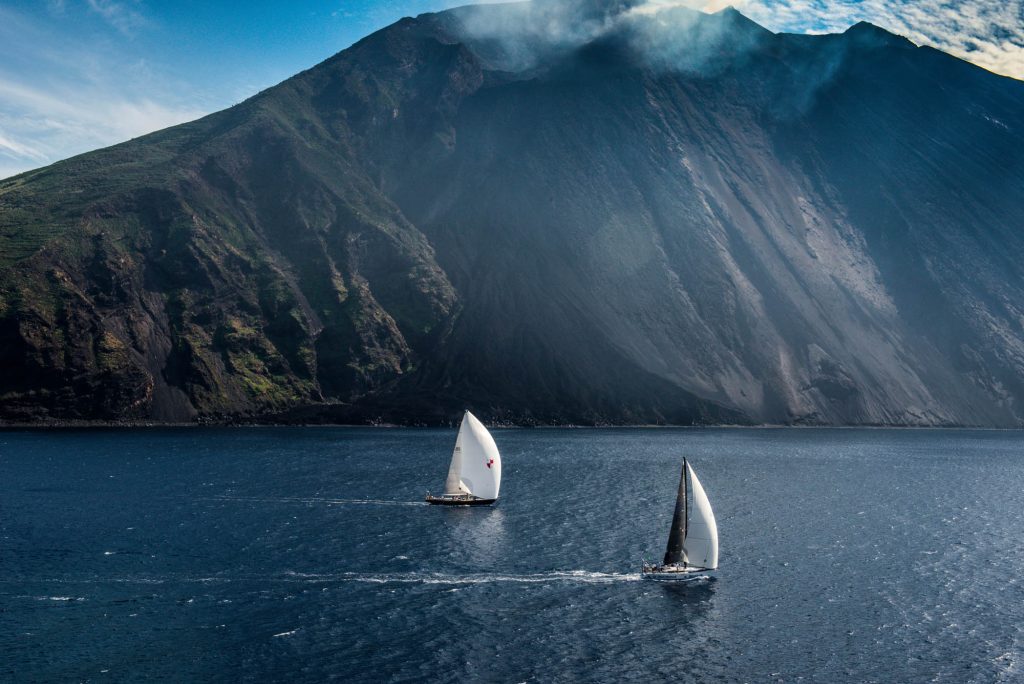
61	599
1009	666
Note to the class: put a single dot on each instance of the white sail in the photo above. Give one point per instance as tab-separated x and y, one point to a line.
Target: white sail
700	548
453	483
480	463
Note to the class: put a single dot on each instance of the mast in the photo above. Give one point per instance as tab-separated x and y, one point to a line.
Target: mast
677	535
686	517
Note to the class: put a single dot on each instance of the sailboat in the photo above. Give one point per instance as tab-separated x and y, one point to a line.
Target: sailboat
474	475
693	540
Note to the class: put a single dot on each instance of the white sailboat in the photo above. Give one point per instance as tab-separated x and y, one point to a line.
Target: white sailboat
474	475
693	540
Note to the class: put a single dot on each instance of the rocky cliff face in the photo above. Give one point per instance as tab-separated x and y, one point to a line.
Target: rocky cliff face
649	218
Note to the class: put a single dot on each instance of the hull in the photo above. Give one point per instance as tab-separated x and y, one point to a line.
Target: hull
458	501
672	574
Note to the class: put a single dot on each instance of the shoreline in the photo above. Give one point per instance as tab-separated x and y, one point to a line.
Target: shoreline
56	426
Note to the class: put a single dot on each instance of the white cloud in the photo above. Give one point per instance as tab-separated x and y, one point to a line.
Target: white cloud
989	33
91	113
59	98
75	121
126	17
19	150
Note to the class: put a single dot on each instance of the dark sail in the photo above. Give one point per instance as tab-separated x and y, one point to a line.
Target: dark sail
676	537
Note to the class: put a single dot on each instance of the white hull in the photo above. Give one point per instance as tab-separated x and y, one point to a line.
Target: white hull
675	574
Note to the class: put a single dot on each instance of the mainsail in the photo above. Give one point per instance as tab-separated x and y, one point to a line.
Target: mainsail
476	464
700	546
676	536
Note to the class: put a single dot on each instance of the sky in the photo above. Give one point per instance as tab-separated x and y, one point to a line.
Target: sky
77	75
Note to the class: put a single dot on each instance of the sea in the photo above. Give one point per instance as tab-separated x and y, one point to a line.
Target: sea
309	555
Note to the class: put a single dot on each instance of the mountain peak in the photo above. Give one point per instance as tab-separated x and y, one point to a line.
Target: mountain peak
672	218
866	32
738	19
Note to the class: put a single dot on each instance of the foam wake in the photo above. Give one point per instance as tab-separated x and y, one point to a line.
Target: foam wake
569	576
556	576
313	500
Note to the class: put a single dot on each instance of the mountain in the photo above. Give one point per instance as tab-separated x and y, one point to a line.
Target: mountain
549	213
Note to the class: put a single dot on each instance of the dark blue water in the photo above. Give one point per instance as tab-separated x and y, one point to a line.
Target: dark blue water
305	555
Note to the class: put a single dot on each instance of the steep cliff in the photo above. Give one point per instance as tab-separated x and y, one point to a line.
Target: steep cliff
667	217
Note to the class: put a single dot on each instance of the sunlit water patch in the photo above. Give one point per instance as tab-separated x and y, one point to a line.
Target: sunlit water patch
307	554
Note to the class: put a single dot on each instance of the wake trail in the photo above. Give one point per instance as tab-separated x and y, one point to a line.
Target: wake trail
570	576
426	578
297	499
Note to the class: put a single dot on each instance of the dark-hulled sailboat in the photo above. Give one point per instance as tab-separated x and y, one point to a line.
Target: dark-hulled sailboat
474	475
693	540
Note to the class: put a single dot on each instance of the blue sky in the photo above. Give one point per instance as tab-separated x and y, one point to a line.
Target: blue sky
77	75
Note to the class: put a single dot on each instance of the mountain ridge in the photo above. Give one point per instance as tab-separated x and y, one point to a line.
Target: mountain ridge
602	229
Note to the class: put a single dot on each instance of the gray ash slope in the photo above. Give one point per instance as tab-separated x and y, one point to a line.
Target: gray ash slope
676	218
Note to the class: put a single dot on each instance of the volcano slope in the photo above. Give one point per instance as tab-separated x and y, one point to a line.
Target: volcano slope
650	218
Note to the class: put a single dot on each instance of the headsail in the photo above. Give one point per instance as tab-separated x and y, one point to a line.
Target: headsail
677	535
700	545
453	484
476	463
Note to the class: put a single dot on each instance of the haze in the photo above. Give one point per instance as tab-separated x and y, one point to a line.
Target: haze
77	75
